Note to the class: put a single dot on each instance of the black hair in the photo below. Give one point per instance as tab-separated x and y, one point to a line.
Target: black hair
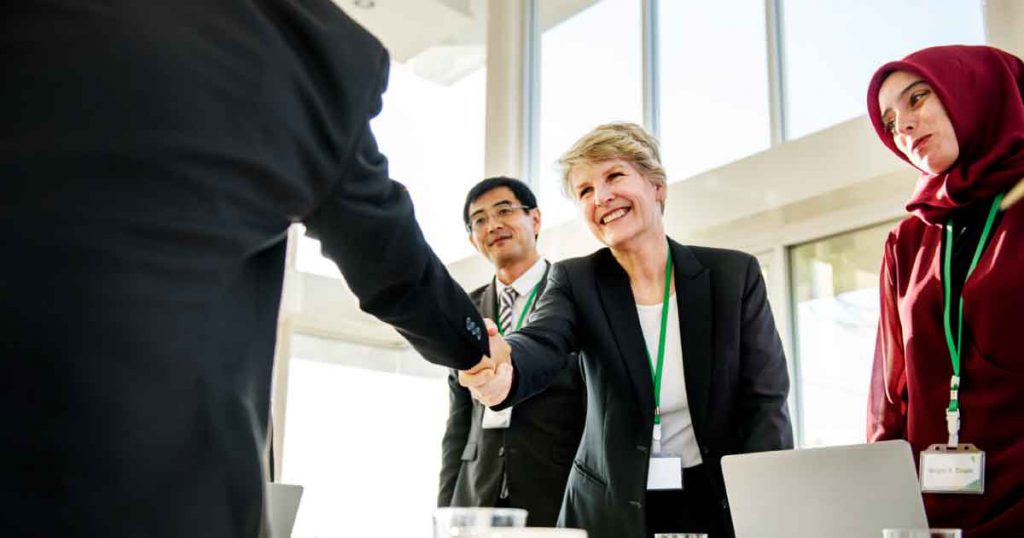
519	189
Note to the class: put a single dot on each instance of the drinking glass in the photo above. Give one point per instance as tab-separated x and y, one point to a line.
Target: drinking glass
472	522
921	533
535	532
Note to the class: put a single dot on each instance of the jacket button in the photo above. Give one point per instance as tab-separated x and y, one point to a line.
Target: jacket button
725	504
642	449
473	329
704	450
501	451
636	504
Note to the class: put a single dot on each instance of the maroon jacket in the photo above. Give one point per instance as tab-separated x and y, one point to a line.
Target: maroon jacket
981	91
910	381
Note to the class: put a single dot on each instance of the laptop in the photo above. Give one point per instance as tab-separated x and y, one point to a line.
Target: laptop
840	492
282	506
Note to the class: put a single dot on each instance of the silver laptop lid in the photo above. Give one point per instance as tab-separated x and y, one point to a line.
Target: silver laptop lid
841	492
282	506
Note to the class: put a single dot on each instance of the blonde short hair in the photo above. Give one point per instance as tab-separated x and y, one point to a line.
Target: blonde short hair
621	140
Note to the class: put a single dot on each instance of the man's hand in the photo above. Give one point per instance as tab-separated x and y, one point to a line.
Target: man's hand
491	379
500	350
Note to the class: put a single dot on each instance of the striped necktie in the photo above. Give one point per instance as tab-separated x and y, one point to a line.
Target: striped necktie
507	299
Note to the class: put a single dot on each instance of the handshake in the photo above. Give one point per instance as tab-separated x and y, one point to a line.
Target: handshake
491	379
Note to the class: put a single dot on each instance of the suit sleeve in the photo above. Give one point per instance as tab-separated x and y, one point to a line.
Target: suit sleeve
460	417
764	378
541	349
367	226
887	398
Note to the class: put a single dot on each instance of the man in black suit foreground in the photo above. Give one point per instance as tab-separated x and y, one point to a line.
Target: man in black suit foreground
519	458
152	158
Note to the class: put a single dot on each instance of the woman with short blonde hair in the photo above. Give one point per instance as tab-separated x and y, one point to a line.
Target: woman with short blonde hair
681	358
626	141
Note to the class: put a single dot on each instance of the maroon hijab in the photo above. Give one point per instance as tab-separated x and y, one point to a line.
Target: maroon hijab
981	89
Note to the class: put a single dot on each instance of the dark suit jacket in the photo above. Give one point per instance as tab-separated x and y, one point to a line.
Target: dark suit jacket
736	379
152	157
536	451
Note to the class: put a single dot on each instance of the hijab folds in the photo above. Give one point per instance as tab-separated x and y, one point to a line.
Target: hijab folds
981	89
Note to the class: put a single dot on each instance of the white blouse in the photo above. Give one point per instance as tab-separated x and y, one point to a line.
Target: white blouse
676	424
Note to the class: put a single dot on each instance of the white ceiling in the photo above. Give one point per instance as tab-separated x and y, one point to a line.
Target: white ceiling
442	40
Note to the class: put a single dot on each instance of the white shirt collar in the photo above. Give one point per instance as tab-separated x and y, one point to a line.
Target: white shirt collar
526	281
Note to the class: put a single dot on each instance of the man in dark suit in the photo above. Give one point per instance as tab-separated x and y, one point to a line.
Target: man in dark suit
518	458
153	156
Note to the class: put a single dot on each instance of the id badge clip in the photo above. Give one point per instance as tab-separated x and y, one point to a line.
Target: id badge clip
953	469
664	471
496	420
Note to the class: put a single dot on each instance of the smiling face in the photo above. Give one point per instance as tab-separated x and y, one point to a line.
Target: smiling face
618	203
510	233
915	118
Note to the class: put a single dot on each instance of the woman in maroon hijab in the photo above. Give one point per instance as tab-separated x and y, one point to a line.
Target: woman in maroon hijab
952	281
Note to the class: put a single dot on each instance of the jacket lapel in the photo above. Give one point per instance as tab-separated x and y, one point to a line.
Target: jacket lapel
620	310
488	302
693	298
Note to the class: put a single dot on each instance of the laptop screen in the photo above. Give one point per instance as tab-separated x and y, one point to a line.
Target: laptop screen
841	492
282	506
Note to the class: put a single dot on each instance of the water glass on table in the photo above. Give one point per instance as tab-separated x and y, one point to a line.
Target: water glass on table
535	532
921	533
474	522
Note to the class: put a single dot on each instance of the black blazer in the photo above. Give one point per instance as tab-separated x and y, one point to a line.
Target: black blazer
152	157
536	451
736	379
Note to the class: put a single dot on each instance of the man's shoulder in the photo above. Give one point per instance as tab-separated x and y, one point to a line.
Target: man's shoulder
479	292
334	23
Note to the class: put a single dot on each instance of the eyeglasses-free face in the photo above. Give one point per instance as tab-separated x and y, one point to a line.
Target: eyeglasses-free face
621	207
917	122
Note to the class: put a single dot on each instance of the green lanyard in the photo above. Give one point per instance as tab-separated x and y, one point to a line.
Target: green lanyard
522	315
953	411
656	370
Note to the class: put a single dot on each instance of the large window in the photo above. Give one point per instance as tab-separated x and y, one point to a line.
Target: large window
835	304
713	75
831	49
590	73
432	125
436	152
363	437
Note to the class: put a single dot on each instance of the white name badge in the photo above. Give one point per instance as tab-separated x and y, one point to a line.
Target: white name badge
495	420
960	469
665	472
